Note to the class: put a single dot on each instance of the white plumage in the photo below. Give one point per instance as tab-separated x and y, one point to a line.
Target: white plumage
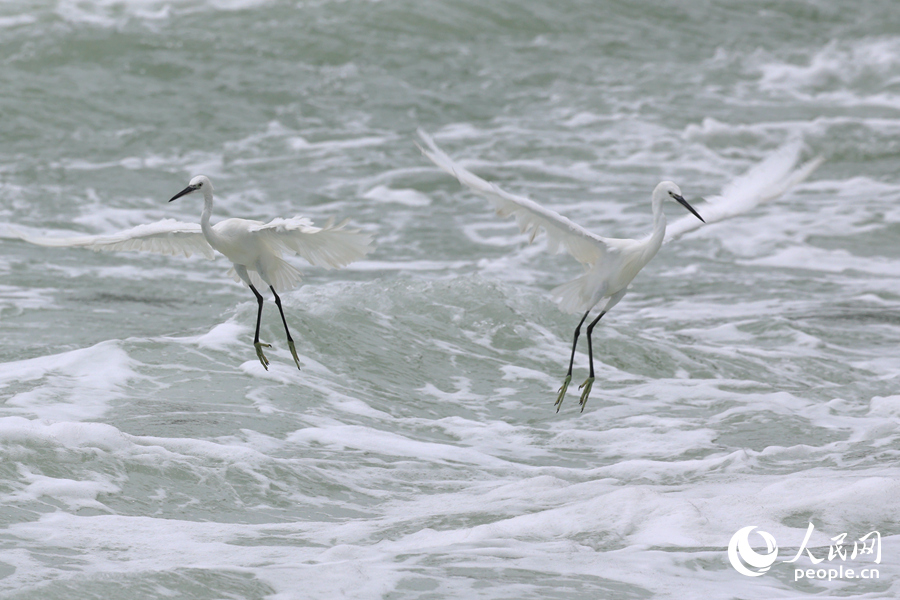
331	246
610	263
163	237
764	182
254	248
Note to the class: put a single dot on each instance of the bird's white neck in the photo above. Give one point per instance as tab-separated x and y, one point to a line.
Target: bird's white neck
659	227
208	232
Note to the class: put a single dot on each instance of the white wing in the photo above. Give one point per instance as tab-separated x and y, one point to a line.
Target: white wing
330	246
763	183
586	247
163	237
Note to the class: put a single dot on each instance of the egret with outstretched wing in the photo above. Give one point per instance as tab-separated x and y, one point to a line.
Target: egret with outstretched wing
611	263
254	248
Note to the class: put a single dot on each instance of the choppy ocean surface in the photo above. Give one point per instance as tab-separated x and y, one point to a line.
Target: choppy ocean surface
749	378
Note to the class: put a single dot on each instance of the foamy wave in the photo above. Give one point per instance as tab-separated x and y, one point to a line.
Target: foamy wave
843	73
78	385
116	13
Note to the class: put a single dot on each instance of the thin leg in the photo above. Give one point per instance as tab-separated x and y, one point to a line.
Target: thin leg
590	330
565	385
286	330
259	347
589	382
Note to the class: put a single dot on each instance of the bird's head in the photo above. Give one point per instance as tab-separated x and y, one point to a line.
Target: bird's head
668	188
200	182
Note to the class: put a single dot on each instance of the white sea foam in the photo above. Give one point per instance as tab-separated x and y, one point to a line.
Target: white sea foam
382	193
79	384
17	20
116	13
838	67
748	378
17	300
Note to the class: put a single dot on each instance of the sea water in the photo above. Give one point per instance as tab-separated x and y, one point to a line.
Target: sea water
749	378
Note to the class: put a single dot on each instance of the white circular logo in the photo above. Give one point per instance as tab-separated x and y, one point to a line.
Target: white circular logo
740	553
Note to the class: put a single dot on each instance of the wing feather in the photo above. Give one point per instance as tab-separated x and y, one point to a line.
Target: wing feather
331	246
763	183
586	247
163	237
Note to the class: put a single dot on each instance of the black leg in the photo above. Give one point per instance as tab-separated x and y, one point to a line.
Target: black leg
286	330
256	343
259	300
590	330
589	382
561	394
575	341
283	320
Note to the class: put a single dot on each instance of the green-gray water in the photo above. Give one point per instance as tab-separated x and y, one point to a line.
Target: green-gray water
749	377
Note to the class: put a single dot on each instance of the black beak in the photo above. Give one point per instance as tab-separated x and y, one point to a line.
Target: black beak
680	199
191	188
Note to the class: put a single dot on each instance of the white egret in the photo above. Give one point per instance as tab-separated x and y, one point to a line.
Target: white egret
254	248
611	263
605	258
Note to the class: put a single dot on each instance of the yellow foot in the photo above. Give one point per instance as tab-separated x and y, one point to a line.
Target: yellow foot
259	353
587	385
562	392
294	353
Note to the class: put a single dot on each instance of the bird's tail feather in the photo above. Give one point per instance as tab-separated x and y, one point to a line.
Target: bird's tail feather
575	296
282	276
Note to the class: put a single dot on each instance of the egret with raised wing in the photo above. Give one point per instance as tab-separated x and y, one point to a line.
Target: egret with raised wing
611	263
254	248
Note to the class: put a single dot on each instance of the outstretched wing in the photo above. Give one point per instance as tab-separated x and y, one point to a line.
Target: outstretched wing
763	183
330	246
163	237
585	246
